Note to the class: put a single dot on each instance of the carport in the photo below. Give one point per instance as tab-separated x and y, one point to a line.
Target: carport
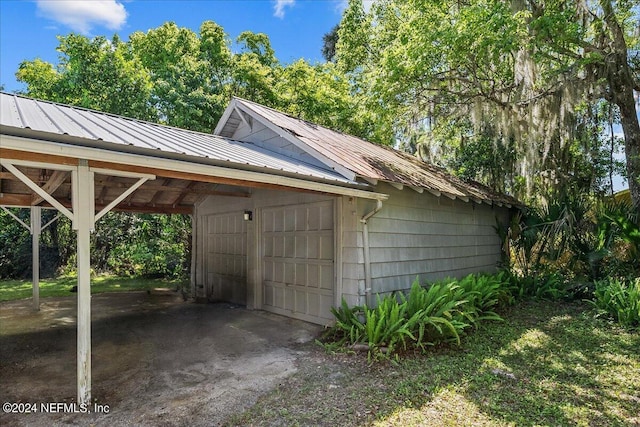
85	163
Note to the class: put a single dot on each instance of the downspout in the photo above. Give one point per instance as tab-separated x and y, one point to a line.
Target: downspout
367	257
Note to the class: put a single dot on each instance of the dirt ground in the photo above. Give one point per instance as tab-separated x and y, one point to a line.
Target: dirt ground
156	360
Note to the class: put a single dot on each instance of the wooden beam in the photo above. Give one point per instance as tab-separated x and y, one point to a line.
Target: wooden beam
128	161
55	181
196	177
33	186
168	189
117	200
11	199
24	200
7	153
180	197
159	192
105	188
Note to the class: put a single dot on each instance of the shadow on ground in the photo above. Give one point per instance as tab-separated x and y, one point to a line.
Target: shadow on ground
546	364
156	360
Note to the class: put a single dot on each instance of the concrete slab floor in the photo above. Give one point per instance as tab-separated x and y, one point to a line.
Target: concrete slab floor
157	360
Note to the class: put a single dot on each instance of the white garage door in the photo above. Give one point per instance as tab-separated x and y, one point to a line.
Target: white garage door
298	261
226	262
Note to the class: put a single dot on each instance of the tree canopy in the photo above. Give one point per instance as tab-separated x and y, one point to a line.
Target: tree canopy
523	96
535	80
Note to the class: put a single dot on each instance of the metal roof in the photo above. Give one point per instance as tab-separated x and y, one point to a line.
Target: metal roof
370	161
22	116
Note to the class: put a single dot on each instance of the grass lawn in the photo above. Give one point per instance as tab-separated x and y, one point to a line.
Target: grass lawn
61	287
548	363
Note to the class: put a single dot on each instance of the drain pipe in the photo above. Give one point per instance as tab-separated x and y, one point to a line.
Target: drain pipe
367	257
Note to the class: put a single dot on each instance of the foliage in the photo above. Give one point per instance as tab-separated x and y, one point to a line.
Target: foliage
96	73
547	364
175	76
143	245
579	235
439	313
528	77
122	243
619	299
15	258
329	41
539	285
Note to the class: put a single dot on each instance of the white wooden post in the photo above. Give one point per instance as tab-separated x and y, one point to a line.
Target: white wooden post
36	223
83	212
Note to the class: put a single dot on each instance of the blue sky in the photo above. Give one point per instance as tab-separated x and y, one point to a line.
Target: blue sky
28	28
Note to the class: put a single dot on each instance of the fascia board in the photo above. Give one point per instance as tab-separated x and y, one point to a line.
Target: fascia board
225	116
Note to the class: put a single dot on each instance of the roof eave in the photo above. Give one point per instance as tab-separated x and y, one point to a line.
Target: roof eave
33	141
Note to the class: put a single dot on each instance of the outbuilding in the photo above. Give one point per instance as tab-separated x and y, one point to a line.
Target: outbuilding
288	216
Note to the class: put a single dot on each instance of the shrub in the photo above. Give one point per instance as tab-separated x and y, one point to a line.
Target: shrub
437	313
549	286
618	299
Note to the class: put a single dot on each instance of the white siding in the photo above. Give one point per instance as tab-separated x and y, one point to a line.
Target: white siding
264	137
413	235
430	237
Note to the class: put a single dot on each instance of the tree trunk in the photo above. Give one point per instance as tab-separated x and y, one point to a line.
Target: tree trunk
631	129
621	84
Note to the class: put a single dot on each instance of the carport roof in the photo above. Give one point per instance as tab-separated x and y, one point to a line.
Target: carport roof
21	116
40	138
363	159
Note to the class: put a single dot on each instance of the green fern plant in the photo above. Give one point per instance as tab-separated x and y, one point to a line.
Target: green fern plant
618	299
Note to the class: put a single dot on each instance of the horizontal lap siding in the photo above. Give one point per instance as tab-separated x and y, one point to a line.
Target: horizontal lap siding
422	235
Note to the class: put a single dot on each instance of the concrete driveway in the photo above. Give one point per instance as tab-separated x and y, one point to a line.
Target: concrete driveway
156	359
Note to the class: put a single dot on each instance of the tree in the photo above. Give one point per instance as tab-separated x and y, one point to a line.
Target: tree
189	73
99	74
329	41
525	71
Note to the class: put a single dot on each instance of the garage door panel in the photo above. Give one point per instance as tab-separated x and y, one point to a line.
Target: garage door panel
313	219
326	248
301	274
298	261
301	219
289	273
226	257
313	275
313	247
325	281
301	246
268	293
289	220
289	246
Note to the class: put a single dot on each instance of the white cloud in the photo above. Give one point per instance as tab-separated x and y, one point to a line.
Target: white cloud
278	7
82	15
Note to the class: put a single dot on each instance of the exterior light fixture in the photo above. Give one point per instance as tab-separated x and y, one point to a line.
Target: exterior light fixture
248	216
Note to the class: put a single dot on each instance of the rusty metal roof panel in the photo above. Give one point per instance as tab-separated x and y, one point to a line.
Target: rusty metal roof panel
113	132
373	161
